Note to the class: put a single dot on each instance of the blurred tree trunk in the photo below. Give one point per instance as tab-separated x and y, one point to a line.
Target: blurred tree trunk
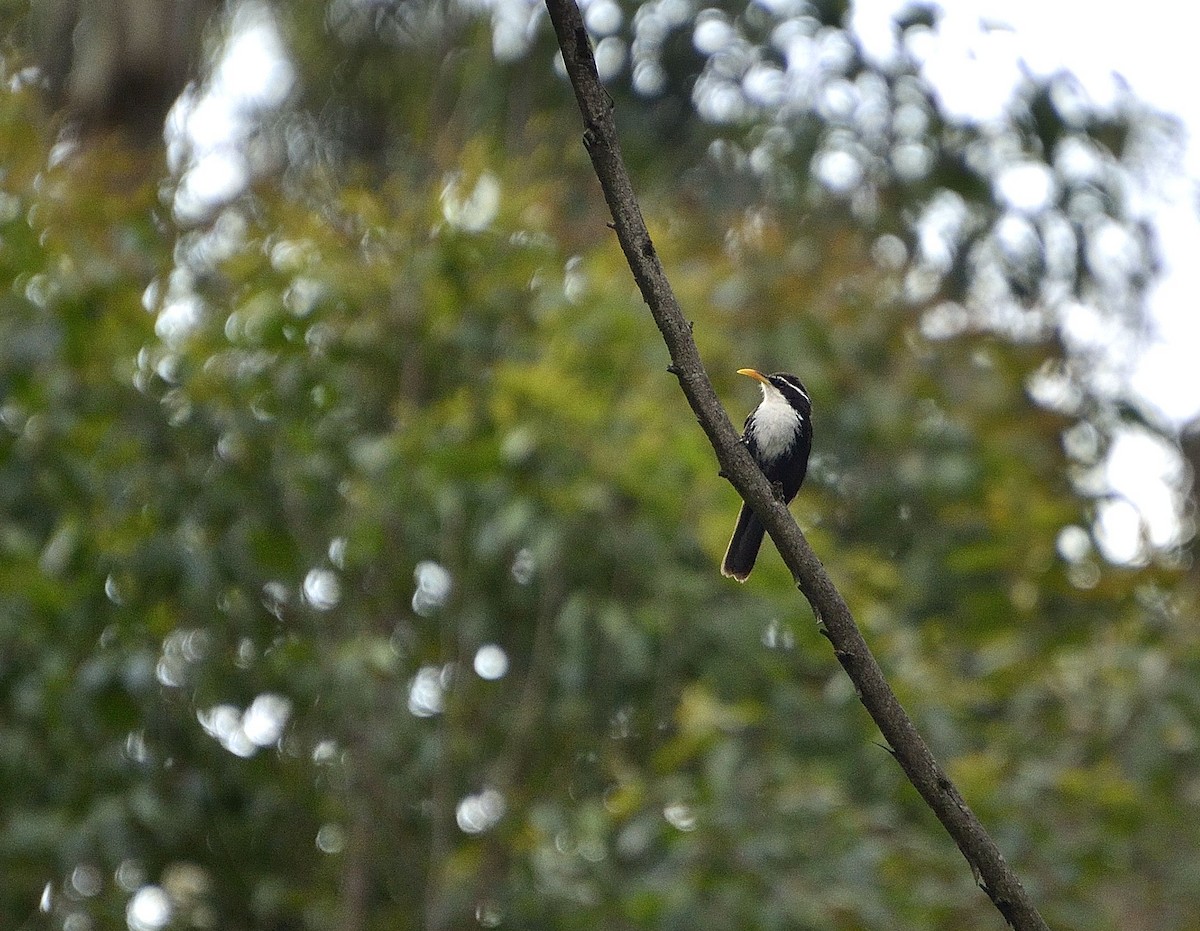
1190	444
119	63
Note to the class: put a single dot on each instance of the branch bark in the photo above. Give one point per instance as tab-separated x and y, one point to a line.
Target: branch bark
987	864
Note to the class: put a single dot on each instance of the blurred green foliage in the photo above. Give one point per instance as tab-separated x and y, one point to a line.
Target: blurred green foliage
271	482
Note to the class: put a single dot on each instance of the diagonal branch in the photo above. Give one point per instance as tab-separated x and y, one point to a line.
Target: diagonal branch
833	615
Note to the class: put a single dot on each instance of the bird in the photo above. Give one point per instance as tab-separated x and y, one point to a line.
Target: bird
778	434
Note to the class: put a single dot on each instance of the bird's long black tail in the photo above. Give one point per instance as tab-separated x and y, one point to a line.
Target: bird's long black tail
743	545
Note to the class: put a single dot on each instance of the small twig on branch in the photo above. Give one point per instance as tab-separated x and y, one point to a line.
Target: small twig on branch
987	864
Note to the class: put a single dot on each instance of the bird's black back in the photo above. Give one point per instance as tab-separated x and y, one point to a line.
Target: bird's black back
788	469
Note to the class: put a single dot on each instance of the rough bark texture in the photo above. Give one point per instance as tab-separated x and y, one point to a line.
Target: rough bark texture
987	863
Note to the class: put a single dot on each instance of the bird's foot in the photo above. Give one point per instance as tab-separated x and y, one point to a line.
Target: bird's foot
777	488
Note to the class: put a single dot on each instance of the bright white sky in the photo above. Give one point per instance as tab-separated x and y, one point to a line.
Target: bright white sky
974	67
1155	52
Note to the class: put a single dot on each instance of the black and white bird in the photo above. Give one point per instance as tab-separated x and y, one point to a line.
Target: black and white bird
778	434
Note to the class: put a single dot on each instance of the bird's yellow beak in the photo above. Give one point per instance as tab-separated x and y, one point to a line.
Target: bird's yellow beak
756	375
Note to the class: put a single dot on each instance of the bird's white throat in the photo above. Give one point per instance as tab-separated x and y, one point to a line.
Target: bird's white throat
775	423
